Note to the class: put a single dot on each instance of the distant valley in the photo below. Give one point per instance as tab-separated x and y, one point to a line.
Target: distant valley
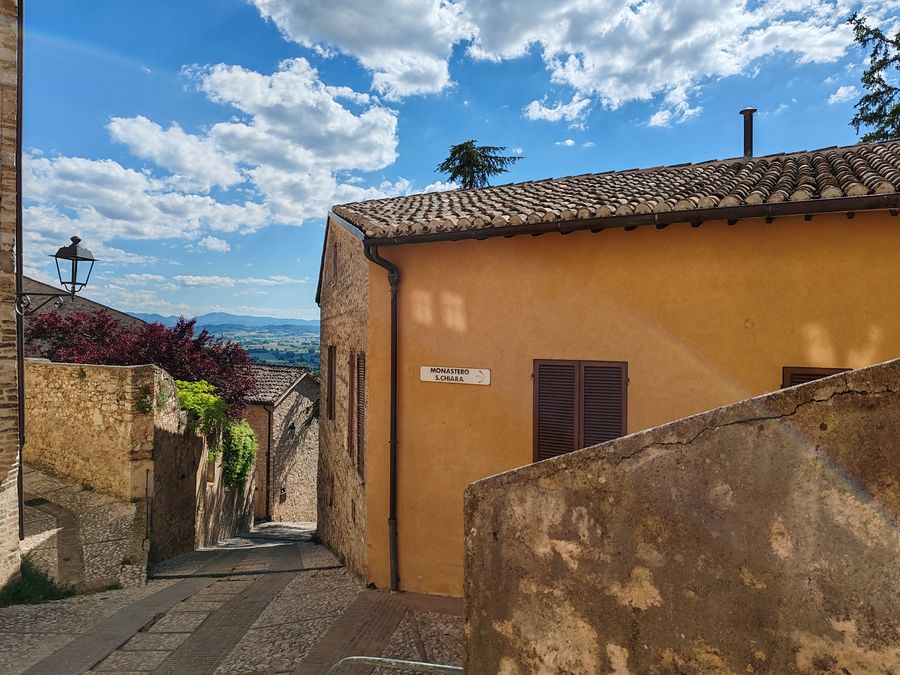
267	339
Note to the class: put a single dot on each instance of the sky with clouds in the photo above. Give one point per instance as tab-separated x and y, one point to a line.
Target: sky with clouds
196	147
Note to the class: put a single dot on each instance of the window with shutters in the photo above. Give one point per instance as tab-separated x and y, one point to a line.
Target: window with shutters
361	413
351	403
791	376
329	384
577	404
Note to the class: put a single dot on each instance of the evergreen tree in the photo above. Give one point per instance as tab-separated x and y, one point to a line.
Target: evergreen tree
879	108
471	165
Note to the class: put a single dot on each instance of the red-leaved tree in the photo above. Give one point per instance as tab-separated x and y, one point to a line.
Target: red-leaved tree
96	337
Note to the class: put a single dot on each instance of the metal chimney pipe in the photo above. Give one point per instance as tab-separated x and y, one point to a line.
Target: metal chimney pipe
748	131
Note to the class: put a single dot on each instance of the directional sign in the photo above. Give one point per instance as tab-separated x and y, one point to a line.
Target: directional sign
450	375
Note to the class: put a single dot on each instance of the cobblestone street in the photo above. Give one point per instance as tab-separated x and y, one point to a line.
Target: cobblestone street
269	602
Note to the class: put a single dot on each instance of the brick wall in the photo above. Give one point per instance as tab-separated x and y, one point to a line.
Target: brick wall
758	537
344	305
9	431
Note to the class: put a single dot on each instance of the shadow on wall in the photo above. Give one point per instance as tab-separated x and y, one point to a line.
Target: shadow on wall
191	507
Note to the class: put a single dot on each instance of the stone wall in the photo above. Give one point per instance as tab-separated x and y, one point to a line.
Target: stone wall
295	454
258	418
341	490
758	537
9	431
96	424
120	431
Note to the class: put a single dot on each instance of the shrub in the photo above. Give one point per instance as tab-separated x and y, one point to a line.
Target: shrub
206	411
238	452
96	337
31	587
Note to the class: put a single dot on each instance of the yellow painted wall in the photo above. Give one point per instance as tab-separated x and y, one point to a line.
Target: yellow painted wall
703	317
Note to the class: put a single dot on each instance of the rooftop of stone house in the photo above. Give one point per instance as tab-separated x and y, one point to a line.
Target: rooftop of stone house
273	382
835	179
79	304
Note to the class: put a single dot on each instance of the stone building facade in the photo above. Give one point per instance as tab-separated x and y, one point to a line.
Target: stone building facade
9	199
344	301
282	413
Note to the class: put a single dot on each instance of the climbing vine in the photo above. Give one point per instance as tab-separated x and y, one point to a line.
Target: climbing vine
238	452
208	413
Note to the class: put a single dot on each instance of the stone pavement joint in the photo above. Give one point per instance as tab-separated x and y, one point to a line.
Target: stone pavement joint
211	642
92	647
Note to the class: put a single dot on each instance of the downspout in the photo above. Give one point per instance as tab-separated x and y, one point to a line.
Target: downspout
20	320
393	274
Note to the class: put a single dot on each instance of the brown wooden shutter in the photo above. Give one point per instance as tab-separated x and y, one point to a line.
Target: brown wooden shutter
603	387
351	403
555	398
329	385
361	413
791	376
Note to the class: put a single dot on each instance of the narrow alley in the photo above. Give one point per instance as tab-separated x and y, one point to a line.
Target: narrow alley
272	601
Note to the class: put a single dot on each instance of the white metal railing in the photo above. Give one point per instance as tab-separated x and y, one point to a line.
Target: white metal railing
393	664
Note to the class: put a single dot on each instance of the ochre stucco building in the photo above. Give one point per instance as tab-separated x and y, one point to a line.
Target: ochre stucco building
601	304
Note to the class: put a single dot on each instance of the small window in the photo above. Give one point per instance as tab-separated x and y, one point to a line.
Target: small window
329	385
291	430
791	376
361	413
577	404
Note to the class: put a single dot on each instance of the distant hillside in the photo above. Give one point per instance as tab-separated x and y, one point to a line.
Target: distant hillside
226	319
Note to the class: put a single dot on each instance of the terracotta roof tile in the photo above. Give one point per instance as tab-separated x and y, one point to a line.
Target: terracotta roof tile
830	173
272	382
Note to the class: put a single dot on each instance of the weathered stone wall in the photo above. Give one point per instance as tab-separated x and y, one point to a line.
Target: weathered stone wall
295	454
92	424
9	431
120	431
341	490
758	537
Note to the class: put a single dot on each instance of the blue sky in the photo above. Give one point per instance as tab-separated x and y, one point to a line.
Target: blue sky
197	146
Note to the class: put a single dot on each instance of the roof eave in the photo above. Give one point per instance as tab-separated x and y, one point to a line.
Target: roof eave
879	202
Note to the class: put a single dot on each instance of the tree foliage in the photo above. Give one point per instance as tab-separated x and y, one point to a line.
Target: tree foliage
471	165
879	108
96	337
206	411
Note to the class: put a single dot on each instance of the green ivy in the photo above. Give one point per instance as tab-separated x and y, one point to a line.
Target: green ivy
206	411
238	452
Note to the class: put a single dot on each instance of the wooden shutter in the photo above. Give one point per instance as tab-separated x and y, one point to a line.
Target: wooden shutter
577	404
791	376
555	398
329	385
361	413
603	399
351	403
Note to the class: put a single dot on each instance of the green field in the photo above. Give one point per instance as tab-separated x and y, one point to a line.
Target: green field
279	345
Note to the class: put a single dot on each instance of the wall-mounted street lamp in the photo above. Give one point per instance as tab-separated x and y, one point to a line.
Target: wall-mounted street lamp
73	265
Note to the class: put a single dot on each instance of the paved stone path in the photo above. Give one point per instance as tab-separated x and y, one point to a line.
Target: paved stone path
268	602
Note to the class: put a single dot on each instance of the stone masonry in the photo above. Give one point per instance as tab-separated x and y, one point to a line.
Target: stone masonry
9	431
756	538
342	514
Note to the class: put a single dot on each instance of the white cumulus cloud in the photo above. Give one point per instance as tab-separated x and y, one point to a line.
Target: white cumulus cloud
211	243
845	93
